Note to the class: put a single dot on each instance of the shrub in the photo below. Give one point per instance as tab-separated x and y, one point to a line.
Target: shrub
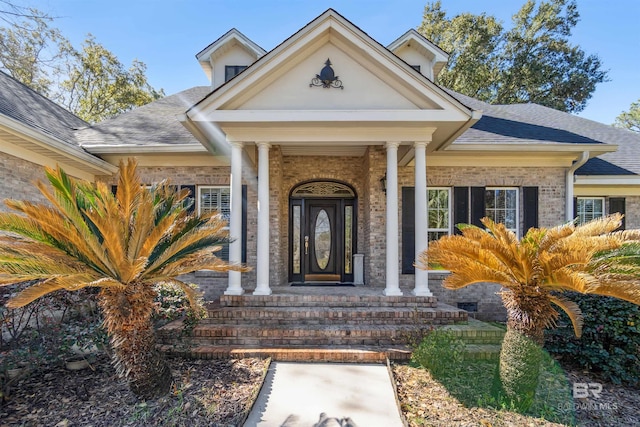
171	303
610	343
440	352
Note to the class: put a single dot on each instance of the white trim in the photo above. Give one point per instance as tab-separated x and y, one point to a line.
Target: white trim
329	134
422	40
593	149
232	34
76	153
606	180
287	116
142	149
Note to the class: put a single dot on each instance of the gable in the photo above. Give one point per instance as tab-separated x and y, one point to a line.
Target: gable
289	68
363	88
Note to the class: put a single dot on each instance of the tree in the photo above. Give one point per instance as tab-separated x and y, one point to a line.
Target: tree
90	83
472	43
534	272
630	119
533	61
123	245
98	86
32	52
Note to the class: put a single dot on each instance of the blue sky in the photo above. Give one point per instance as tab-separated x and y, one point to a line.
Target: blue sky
166	34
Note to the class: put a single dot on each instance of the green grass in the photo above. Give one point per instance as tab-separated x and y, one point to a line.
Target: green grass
473	382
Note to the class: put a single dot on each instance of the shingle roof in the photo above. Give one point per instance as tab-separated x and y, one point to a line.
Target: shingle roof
154	123
533	123
21	103
624	161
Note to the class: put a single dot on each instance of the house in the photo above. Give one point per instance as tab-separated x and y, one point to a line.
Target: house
336	159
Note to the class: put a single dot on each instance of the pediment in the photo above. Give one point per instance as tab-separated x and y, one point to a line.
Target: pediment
374	78
362	88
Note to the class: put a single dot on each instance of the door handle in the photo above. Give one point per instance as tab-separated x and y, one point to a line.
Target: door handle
306	245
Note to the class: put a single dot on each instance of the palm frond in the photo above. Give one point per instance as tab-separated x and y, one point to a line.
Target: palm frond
191	237
128	192
624	290
566	279
573	311
599	226
204	259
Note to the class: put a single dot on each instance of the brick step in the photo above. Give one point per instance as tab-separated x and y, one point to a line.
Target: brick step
325	301
294	316
344	354
285	335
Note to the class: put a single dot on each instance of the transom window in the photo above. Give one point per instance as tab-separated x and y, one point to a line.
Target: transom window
230	71
216	200
438	209
589	208
501	205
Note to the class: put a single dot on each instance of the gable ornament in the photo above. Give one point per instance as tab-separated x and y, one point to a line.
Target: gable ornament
327	78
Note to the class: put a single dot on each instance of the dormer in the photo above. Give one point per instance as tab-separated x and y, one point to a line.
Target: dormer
417	51
229	55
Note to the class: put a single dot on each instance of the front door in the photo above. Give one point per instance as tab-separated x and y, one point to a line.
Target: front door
322	254
321	233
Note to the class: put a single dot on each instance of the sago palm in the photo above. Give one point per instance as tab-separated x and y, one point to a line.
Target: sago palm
122	244
534	272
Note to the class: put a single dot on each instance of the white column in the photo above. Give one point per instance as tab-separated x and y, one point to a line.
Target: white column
235	222
421	240
262	265
393	276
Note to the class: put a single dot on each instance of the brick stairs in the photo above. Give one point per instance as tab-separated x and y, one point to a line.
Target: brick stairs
336	328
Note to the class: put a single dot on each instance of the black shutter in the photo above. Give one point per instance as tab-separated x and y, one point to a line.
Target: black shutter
114	189
244	224
408	230
192	195
477	205
460	207
575	209
617	204
530	202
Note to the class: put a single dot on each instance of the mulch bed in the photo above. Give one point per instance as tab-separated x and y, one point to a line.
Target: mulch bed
205	393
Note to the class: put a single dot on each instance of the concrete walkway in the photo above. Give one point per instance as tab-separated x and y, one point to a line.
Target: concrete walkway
296	394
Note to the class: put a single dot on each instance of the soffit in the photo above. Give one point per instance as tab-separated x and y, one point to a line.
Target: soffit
44	155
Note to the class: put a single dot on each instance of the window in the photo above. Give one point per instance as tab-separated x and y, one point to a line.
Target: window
590	208
230	71
501	205
438	208
216	199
